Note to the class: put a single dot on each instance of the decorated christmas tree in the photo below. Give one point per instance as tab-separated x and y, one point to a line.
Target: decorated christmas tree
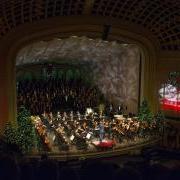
10	133
21	134
10	140
144	112
26	132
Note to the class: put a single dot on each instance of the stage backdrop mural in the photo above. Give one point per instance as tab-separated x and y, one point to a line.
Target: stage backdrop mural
114	67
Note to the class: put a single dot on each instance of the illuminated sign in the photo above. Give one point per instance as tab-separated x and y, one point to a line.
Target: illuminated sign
170	93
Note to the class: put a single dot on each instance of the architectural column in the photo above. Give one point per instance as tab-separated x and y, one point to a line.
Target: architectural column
88	6
7	90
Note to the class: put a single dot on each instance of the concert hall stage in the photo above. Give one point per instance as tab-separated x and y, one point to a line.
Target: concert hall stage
77	144
88	105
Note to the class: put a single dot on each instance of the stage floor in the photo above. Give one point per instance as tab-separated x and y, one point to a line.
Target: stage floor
94	144
133	148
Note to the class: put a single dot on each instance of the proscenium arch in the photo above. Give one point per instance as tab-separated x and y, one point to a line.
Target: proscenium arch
63	27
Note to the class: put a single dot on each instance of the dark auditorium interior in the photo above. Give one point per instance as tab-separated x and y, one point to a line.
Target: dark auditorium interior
90	89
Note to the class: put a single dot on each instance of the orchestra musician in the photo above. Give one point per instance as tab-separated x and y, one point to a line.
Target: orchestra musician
79	131
64	118
101	131
71	116
118	128
58	116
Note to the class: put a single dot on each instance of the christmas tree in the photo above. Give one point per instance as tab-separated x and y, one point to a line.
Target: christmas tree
26	132
10	134
21	134
144	112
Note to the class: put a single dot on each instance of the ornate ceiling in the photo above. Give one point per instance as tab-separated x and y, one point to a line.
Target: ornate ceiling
160	17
